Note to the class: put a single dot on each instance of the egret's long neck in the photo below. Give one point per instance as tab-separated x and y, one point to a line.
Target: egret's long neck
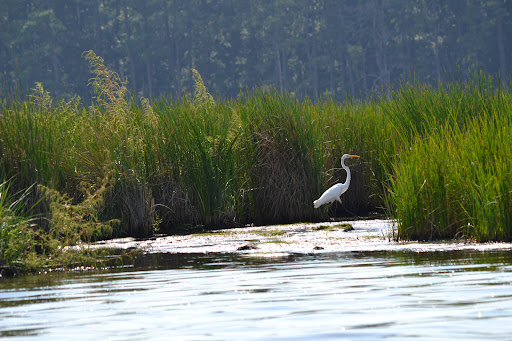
347	181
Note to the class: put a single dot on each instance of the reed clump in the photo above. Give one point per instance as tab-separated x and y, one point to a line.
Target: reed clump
436	158
453	180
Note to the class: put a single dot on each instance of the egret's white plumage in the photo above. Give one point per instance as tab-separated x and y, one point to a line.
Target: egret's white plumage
336	190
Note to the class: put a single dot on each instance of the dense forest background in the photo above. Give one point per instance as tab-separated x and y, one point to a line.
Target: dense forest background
314	47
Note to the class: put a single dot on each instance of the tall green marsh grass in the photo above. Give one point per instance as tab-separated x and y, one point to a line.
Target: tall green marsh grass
195	150
453	180
436	158
282	156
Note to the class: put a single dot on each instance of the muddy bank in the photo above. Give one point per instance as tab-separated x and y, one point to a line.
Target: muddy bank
350	236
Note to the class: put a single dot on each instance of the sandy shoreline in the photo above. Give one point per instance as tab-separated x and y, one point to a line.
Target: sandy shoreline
367	235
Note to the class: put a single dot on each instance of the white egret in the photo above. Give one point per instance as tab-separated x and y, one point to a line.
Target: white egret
336	190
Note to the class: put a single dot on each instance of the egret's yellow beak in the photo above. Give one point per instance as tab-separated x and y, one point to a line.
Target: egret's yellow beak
354	155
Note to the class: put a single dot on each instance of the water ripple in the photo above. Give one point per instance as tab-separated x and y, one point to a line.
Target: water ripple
364	296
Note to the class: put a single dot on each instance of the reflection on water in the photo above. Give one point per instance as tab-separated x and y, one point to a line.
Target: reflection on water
367	296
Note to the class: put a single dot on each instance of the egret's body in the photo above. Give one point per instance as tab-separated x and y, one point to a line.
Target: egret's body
335	192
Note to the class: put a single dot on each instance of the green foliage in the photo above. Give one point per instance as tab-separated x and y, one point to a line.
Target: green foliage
282	156
17	238
437	159
453	180
304	47
73	223
31	247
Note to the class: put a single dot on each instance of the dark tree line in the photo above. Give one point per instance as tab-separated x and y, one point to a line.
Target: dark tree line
307	47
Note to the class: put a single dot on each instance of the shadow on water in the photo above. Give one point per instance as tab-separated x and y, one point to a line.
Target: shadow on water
391	258
217	261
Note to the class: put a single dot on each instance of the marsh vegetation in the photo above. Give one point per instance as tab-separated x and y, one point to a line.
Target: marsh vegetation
436	158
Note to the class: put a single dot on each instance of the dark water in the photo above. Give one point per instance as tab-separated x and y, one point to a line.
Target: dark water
361	296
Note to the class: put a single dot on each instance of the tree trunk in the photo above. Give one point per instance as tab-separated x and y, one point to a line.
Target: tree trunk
97	28
501	46
177	73
345	61
435	22
131	61
55	62
311	53
406	40
132	70
147	57
278	66
379	39
51	34
170	59
284	64
150	80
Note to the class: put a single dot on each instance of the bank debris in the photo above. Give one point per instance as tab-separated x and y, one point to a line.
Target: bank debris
347	236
